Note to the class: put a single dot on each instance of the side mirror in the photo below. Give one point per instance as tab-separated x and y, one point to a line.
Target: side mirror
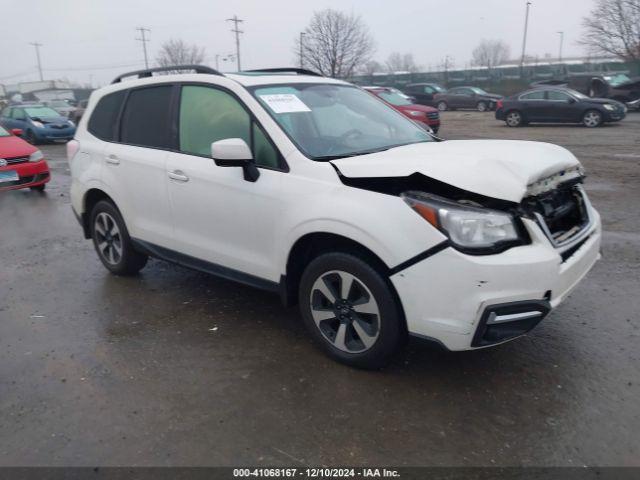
572	100
17	132
234	152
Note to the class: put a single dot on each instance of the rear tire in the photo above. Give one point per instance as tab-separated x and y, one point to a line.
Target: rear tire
112	242
350	310
592	119
482	106
514	119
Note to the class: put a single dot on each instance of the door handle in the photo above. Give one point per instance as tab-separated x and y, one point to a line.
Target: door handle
113	160
178	175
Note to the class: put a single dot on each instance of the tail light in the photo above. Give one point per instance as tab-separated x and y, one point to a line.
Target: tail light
499	105
72	148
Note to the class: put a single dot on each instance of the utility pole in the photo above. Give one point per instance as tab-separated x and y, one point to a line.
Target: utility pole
524	40
38	45
561	42
302	34
144	41
237	31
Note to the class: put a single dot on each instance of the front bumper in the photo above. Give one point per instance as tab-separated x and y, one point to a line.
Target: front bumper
54	134
447	296
30	174
634	105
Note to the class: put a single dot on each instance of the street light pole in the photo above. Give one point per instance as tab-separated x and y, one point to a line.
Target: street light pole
38	45
524	39
561	42
302	34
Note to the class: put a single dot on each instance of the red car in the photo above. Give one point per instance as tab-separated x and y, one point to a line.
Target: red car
421	114
21	165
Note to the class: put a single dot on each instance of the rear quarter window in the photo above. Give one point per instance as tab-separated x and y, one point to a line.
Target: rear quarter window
103	120
146	120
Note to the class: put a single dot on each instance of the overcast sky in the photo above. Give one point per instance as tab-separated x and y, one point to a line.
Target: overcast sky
94	40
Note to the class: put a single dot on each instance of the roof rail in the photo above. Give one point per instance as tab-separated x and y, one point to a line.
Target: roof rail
150	71
299	71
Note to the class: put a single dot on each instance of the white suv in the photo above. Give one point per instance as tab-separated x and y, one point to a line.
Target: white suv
312	188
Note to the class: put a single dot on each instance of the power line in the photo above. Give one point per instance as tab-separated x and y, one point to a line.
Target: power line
236	21
144	41
37	46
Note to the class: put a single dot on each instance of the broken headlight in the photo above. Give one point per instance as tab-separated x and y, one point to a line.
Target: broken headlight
471	229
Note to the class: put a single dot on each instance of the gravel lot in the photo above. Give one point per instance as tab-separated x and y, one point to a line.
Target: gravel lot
100	370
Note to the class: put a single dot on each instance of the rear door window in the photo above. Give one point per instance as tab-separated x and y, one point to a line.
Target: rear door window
558	96
533	96
105	116
146	120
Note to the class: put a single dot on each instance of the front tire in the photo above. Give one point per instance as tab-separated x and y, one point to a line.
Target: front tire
350	310
592	119
39	188
514	119
443	106
31	138
112	242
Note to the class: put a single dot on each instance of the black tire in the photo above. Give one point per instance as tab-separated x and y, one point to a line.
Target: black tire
128	261
482	106
387	325
39	188
514	118
31	138
442	106
592	119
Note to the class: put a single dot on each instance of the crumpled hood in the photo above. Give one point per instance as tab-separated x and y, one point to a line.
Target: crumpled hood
500	169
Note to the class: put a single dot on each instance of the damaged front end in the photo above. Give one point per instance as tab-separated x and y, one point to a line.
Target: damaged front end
481	225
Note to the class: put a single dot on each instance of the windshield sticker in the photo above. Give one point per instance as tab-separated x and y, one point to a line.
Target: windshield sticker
285	103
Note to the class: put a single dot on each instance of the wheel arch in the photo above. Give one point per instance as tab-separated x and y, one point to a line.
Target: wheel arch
311	245
90	199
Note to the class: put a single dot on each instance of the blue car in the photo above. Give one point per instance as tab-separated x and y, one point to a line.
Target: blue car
38	123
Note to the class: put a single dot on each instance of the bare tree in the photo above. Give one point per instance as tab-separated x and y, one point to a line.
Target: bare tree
336	44
371	67
613	28
178	52
398	62
490	53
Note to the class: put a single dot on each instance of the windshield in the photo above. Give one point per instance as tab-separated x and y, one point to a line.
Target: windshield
4	133
333	121
41	112
394	98
479	91
615	80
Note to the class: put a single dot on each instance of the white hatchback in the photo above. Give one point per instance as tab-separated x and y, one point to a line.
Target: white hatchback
312	188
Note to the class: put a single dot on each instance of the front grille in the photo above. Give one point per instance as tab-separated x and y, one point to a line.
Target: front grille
58	126
433	115
562	213
14	160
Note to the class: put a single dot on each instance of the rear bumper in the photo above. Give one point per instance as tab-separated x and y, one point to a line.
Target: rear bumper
450	296
29	175
500	114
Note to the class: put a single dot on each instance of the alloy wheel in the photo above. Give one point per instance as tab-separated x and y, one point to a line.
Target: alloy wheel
592	119
482	107
514	119
442	106
108	238
345	311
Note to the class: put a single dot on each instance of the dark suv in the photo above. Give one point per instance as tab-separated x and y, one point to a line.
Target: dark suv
424	93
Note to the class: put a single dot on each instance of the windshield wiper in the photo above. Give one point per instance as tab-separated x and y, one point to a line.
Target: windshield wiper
366	152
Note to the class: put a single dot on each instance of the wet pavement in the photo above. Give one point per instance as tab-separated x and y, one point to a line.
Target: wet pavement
175	367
